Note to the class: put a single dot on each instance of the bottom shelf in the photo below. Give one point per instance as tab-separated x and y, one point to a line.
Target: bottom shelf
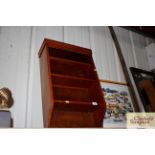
75	114
72	119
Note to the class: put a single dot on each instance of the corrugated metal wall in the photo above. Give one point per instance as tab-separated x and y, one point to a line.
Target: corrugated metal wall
14	60
19	63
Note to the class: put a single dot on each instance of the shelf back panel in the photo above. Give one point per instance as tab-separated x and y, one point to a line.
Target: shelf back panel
72	70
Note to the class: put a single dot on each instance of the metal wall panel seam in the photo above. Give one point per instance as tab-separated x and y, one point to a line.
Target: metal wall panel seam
111	56
92	43
133	50
118	72
122	78
30	78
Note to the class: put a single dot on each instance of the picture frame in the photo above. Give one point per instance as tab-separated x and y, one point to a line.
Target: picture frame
118	103
144	79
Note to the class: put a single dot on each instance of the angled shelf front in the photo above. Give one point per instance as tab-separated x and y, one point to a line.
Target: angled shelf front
71	92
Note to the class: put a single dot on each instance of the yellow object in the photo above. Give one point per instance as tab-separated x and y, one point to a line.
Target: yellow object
67	102
141	120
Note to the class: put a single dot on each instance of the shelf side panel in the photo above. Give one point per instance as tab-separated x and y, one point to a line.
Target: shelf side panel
45	88
100	112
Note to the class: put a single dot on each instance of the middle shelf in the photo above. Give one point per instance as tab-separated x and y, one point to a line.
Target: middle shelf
72	68
74	89
72	81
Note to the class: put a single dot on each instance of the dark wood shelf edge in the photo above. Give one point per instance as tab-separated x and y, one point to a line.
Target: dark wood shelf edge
75	105
72	77
75	102
70	87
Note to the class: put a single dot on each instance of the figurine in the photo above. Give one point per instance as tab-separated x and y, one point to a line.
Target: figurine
6	100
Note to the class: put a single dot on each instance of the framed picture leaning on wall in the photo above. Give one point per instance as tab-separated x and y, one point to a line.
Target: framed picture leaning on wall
118	102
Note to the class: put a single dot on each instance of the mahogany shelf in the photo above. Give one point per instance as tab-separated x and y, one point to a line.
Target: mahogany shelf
70	87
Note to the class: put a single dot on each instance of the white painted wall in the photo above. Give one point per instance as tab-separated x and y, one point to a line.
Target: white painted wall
14	60
151	55
19	62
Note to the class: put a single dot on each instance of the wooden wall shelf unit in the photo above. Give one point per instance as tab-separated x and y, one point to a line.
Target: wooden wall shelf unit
71	91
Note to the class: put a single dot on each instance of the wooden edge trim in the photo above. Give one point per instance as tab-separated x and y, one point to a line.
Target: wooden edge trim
114	82
41	49
63	45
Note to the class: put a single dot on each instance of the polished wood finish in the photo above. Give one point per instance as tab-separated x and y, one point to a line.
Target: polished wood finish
45	89
71	91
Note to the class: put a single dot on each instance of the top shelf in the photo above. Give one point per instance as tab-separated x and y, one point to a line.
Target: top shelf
67	55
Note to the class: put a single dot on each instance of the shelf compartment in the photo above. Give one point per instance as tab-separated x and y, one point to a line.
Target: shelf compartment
74	94
64	93
72	69
72	81
70	61
70	55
